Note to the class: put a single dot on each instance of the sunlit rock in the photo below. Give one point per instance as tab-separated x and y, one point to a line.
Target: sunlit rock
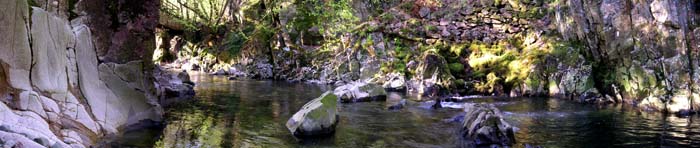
317	117
360	92
432	75
17	127
395	82
16	55
51	38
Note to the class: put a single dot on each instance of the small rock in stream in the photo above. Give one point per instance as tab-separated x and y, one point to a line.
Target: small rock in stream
484	126
396	105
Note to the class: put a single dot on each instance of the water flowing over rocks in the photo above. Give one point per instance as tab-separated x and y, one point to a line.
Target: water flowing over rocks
317	117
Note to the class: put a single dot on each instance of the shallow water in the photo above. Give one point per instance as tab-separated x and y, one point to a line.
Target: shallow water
253	113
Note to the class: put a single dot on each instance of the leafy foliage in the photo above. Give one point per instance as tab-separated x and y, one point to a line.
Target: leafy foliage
331	17
195	13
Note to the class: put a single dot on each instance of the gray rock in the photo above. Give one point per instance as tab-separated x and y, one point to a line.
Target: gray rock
395	82
14	43
96	93
432	74
51	37
360	92
424	12
21	126
484	125
173	86
132	104
71	108
30	101
10	140
219	72
395	102
49	105
317	117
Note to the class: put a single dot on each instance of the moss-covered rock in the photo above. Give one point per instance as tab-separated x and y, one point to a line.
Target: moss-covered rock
317	117
432	75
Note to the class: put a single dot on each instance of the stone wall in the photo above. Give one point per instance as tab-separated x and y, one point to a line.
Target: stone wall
72	75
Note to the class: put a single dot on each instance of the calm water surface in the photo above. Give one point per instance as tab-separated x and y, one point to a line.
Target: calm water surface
250	113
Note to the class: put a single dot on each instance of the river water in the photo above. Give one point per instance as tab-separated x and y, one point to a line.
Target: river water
249	113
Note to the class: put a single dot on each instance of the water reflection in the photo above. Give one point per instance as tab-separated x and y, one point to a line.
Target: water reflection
252	114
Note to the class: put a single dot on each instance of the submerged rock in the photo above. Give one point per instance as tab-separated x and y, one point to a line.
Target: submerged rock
395	102
317	117
360	92
484	125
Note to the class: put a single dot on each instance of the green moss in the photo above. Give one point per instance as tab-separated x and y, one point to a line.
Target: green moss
388	17
32	3
430	28
407	6
456	67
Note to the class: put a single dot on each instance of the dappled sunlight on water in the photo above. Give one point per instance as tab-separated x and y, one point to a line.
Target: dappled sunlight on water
248	113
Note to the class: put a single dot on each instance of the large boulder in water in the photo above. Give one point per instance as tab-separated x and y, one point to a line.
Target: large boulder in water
317	117
360	92
484	125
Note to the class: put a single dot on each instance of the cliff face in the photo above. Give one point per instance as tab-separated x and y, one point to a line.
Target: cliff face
71	73
641	51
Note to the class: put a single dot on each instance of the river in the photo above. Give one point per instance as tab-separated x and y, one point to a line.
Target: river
249	113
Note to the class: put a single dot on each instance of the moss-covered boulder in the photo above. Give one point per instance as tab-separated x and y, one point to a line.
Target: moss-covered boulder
317	117
431	75
360	92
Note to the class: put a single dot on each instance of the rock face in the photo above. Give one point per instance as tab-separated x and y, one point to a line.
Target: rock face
51	39
317	117
432	75
62	91
642	52
484	125
360	92
14	43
